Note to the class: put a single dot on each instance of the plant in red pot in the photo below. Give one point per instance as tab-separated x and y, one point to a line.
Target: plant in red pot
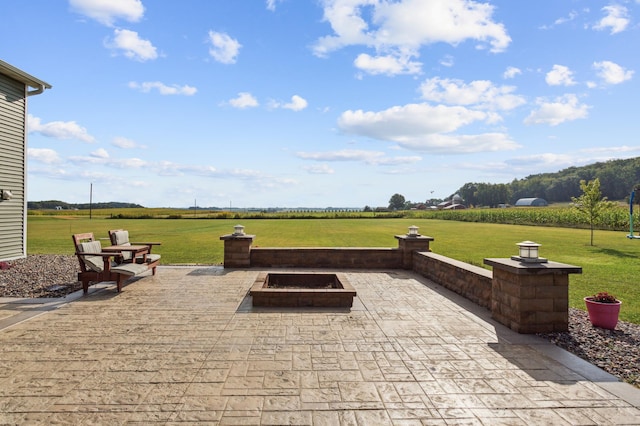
603	309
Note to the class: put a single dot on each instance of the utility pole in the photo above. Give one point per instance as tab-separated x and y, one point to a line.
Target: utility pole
90	201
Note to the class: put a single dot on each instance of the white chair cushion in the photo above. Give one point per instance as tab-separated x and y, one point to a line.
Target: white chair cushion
121	238
94	263
151	257
129	269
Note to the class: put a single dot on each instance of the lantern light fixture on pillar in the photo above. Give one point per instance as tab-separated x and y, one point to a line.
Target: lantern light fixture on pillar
529	253
238	230
413	231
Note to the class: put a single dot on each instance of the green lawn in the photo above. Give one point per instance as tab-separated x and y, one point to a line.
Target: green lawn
612	264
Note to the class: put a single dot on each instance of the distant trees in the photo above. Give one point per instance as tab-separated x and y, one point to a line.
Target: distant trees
55	204
485	194
617	178
591	204
397	202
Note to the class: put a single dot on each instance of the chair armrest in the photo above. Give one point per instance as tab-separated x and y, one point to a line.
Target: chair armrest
146	244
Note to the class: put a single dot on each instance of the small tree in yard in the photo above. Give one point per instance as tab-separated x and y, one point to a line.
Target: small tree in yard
591	204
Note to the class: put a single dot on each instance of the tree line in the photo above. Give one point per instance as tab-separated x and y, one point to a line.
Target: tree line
61	205
617	179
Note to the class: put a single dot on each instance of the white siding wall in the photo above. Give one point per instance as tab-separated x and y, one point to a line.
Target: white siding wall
12	168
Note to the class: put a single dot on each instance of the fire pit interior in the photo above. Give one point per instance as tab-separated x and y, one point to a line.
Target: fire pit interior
298	289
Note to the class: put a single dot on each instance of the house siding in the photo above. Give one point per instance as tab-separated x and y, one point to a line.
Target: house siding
13	108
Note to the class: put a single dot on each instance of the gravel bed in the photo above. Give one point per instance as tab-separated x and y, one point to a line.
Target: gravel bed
615	351
40	275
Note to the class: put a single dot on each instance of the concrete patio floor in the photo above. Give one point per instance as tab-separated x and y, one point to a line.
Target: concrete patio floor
187	346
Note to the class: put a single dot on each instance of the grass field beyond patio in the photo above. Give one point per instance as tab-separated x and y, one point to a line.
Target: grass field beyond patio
612	264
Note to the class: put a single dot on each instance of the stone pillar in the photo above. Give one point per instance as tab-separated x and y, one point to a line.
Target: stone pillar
531	297
237	250
407	244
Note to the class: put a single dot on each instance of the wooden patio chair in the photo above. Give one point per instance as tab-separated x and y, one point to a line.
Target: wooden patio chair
120	237
97	265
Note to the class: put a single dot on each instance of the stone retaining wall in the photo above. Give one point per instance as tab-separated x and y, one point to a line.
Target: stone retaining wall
472	282
339	258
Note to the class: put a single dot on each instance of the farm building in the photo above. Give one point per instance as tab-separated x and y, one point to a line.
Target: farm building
454	203
15	87
531	202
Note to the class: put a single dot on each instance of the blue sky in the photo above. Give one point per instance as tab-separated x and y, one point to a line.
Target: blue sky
318	103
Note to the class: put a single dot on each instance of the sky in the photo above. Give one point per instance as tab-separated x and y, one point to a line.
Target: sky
318	103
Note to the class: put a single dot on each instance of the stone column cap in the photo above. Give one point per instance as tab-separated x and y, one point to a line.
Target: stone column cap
237	237
416	238
517	267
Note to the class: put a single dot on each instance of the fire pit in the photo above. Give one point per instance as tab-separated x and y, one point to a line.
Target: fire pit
302	290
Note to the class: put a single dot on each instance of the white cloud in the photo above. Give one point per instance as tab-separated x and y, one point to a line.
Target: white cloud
612	73
396	161
319	169
131	45
244	100
447	61
341	155
101	157
479	93
560	75
107	11
297	103
369	157
572	15
100	153
407	121
43	155
162	88
398	29
564	108
59	129
125	143
223	48
422	126
616	18
511	72
387	64
460	144
612	149
543	161
271	4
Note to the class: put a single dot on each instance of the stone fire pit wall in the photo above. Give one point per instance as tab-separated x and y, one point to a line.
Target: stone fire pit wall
526	298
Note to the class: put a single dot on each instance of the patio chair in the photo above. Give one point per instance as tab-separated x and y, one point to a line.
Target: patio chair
120	237
97	265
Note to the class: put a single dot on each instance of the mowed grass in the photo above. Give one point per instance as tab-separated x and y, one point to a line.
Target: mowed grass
612	264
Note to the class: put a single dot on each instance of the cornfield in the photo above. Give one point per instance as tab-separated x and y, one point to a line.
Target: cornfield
614	219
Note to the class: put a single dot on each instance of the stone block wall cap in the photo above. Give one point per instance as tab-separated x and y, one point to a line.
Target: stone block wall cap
518	267
411	238
237	237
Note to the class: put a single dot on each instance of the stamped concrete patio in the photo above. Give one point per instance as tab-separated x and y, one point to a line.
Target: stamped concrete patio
187	346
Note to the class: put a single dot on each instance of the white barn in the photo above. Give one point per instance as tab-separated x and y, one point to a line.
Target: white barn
531	202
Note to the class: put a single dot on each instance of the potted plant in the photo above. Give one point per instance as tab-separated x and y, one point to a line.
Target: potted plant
603	309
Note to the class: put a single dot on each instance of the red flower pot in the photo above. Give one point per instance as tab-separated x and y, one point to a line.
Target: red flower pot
604	315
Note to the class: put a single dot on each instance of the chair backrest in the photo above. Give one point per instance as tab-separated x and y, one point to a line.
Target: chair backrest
120	237
86	243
